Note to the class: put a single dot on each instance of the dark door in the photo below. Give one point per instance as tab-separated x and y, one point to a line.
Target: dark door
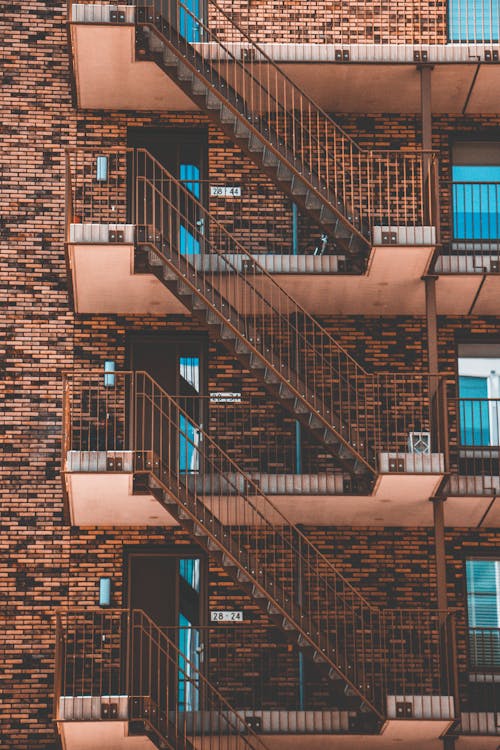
178	365
178	215
170	590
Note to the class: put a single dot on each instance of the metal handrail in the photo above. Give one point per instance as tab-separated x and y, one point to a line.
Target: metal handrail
145	671
283	117
250	303
466	22
277	559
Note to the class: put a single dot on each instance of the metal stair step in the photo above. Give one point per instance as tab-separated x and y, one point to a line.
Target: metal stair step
226	116
298	186
240	346
169	274
169	57
312	200
257	593
287	625
256	362
270	376
198	88
212	101
315	422
269	159
318	658
272	610
285	392
183	72
255	144
284	173
299	407
241	130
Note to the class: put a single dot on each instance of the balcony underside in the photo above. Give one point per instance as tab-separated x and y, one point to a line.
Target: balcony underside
416	735
378	78
104	282
98	497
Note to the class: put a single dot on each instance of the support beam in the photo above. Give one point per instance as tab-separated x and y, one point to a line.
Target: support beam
431	317
440	552
438	502
425	106
426	115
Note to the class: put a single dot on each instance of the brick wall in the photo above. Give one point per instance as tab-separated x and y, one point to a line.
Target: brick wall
43	563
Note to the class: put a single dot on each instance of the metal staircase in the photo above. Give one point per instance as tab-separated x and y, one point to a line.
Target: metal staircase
309	156
120	664
371	653
255	319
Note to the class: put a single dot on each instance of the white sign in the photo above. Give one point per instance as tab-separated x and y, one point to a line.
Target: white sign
223	191
218	615
223	397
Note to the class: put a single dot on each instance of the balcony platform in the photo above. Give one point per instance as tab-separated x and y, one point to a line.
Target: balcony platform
104	281
101	497
416	735
311	730
472	501
373	78
97	497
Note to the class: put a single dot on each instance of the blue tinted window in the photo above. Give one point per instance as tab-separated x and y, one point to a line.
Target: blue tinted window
476	201
474	411
473	20
482	593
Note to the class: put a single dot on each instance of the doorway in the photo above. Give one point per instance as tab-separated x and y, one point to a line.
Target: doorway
171	590
184	155
178	364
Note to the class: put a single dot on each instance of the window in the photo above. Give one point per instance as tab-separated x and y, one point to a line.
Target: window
483	610
189	434
473	20
479	395
476	191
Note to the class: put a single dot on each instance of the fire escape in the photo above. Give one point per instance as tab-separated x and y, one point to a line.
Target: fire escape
366	651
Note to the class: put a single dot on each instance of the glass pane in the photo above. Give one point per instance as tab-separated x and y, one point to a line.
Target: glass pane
473	20
189	11
476	199
474	411
189	175
189	635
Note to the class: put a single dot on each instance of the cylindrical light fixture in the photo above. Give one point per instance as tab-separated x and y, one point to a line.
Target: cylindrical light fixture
101	170
104	592
109	373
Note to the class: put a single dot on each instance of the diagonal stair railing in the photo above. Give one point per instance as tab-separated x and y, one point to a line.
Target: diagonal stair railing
346	188
222	284
370	650
106	657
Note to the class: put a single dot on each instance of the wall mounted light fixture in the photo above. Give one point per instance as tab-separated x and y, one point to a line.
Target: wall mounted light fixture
109	373
104	592
101	174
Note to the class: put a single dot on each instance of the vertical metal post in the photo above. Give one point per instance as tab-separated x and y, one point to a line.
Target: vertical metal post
426	114
431	319
425	106
439	544
295	229
298	447
438	502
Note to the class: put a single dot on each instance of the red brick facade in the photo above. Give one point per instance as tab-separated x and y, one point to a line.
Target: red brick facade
44	563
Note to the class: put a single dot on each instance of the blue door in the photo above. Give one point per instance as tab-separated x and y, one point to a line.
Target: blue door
474	411
190	13
190	231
